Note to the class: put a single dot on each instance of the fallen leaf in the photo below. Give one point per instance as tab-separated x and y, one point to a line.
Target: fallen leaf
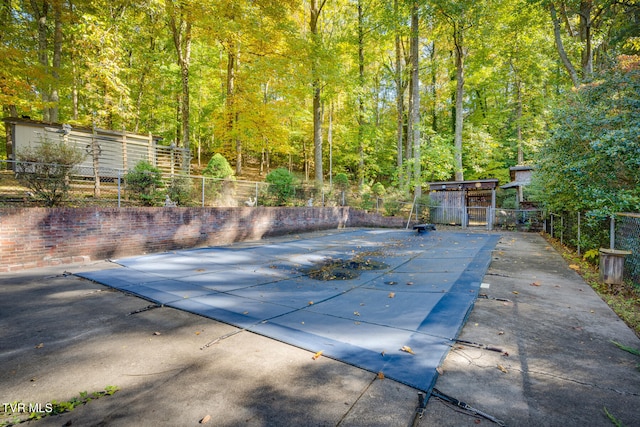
500	332
157	333
382	353
380	375
574	267
200	270
407	349
317	355
516	292
392	295
356	313
439	370
535	284
40	345
197	332
502	368
206	419
409	283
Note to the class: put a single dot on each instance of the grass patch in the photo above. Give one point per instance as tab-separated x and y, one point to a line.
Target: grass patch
19	412
623	299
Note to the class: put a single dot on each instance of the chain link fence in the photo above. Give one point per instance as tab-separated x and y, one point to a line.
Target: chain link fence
587	235
21	185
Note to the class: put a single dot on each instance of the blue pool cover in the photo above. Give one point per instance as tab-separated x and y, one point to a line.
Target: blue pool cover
418	300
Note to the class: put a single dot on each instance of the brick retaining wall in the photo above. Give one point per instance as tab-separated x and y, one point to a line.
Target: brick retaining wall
36	237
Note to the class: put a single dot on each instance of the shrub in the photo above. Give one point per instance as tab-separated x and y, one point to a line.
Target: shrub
281	186
378	190
341	181
179	190
144	182
366	203
218	167
45	169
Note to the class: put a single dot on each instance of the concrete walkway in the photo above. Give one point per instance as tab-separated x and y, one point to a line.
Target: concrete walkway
61	335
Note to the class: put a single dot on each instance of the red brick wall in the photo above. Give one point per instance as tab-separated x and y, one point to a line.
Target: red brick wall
35	237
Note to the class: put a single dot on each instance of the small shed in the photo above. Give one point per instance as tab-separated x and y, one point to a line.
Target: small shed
520	177
108	151
462	202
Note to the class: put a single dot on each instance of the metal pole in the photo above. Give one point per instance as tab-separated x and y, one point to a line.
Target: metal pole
612	232
578	233
119	191
203	178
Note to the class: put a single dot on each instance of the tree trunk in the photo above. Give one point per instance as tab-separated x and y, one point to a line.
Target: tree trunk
560	46
415	98
57	60
43	51
434	94
585	36
315	10
459	123
361	118
230	100
181	30
519	121
399	97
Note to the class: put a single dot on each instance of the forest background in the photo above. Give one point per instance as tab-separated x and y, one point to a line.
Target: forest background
398	92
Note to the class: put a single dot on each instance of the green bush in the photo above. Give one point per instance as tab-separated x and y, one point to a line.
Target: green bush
281	186
378	190
179	190
144	183
45	169
366	202
341	181
219	170
218	167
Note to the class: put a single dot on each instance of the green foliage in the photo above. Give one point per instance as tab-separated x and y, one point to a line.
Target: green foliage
592	256
393	203
628	349
144	183
179	190
121	63
281	188
591	161
366	202
59	407
378	189
341	181
218	168
45	169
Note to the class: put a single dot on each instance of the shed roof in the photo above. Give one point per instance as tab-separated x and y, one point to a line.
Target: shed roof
480	184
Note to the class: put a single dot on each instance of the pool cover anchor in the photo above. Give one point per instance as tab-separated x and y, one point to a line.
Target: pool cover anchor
462	405
422	406
478	345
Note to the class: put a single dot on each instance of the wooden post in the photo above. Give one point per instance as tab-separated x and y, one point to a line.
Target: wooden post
95	151
151	150
612	266
125	165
